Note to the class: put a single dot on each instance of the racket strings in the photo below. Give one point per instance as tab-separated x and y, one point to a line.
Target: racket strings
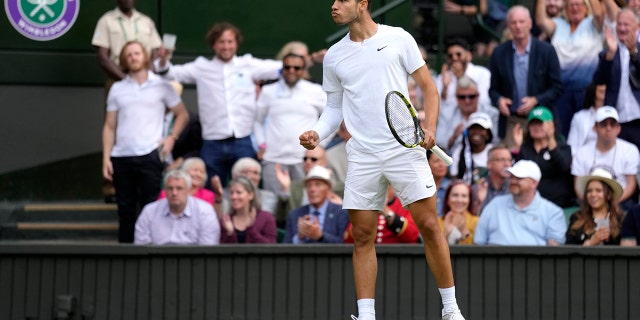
403	123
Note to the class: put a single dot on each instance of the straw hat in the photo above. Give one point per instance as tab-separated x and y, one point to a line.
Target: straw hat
603	175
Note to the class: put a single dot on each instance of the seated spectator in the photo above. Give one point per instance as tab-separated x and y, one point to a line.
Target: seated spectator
544	147
250	168
523	217
321	220
630	234
246	222
581	131
197	171
452	125
620	157
599	220
439	171
178	219
470	158
496	183
458	221
395	224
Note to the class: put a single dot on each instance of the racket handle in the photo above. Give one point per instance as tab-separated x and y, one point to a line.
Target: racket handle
442	155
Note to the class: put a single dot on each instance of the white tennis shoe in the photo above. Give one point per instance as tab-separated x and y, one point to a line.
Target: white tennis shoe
452	314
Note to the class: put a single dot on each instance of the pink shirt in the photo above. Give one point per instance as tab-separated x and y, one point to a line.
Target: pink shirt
202	193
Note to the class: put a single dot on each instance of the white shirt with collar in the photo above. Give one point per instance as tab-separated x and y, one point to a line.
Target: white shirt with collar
226	91
196	225
141	110
290	111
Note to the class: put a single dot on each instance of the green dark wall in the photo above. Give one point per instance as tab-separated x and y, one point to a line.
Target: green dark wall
266	25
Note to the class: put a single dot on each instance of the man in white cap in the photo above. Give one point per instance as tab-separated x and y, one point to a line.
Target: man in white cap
523	217
320	221
618	156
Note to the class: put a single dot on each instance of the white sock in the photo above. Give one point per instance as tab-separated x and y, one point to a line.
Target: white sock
448	296
366	309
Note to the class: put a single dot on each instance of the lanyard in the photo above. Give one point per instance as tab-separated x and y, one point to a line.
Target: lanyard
124	32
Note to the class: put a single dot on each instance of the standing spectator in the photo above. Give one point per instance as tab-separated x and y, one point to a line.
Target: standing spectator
117	27
619	70
543	146
395	224
525	72
451	126
470	157
581	131
226	96
300	48
620	157
320	221
459	64
132	140
599	219
553	8
246	222
291	104
496	183
522	218
576	38
441	178
459	220
179	218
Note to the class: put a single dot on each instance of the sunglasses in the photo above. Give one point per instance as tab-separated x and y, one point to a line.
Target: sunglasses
467	96
610	122
313	159
457	54
296	68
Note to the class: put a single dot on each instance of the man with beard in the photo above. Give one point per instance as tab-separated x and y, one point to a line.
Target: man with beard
523	217
132	140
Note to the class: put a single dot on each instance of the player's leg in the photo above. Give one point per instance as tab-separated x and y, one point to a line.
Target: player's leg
365	264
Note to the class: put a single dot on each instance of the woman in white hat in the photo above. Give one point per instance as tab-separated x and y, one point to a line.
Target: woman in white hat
599	219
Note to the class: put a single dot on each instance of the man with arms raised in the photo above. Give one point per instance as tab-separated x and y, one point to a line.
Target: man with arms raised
359	70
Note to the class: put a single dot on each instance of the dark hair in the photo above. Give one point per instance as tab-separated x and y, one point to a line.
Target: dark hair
445	204
589	96
293	55
458	41
218	29
123	60
585	215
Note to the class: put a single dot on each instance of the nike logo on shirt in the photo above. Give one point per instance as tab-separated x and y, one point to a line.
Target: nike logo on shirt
381	48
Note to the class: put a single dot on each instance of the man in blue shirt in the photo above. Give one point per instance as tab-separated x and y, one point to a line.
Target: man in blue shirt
523	217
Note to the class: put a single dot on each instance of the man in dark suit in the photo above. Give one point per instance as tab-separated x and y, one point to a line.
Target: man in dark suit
321	220
619	69
525	73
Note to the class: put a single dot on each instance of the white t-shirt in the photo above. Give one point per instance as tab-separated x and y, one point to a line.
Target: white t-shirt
290	111
622	160
141	109
365	72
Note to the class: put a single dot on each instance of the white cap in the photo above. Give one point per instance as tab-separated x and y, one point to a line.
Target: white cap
480	118
319	173
606	112
526	169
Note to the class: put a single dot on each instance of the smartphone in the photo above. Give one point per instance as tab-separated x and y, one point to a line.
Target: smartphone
600	223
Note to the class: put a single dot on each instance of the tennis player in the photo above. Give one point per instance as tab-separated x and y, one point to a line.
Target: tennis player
359	70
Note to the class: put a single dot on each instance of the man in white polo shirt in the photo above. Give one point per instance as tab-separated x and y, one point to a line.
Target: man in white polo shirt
132	140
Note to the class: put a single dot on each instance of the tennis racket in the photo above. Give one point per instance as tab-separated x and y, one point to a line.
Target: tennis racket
404	124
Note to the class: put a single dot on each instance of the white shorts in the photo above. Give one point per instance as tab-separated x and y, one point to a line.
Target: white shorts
369	174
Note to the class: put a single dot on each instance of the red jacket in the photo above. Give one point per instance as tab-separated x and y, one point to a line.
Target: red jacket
408	232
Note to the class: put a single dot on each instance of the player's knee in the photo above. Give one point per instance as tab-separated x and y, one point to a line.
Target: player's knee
362	235
429	228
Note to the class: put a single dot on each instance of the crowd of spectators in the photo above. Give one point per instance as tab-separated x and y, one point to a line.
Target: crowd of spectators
544	141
